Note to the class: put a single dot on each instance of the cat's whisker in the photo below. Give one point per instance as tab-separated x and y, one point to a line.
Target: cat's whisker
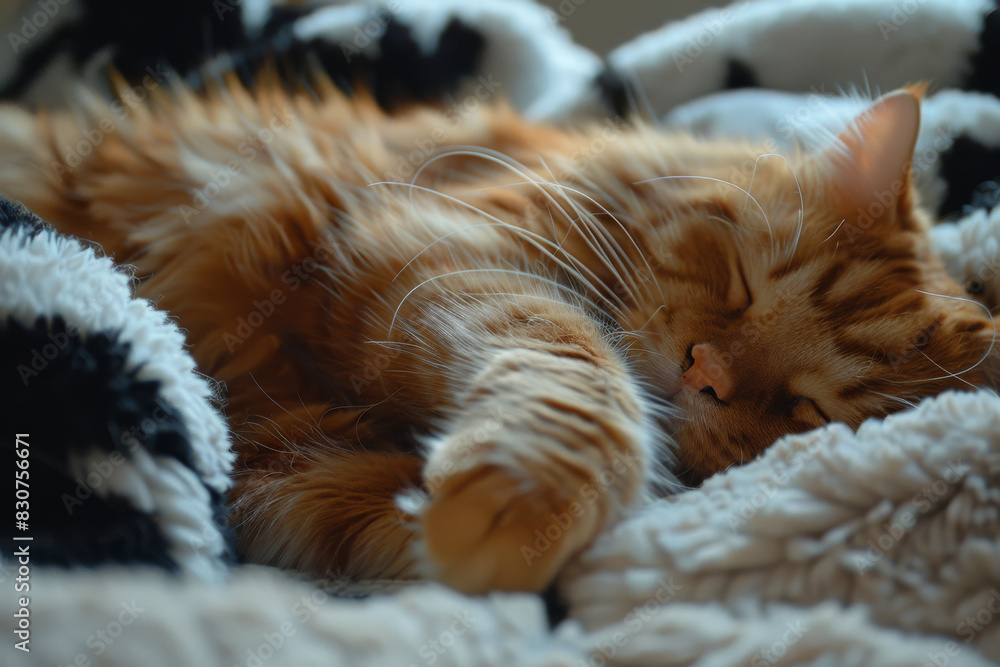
498	223
523	274
258	426
834	232
595	188
584	221
985	356
533	296
552	218
396	345
724	182
521	170
798	191
361	416
954	375
490	155
623	260
665	411
583	299
650	319
635	333
628	235
655	353
315	434
625	277
736	228
587	216
419	335
670	366
275	431
276	403
536	240
897	399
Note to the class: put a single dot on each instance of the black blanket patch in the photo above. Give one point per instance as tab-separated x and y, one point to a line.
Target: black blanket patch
71	525
71	391
984	75
83	378
15	216
397	73
964	167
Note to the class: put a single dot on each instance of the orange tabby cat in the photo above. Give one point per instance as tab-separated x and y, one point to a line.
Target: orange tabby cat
465	362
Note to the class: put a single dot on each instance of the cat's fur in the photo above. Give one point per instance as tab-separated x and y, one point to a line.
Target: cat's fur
471	371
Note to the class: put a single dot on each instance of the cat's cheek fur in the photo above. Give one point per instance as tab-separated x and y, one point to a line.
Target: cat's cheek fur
547	451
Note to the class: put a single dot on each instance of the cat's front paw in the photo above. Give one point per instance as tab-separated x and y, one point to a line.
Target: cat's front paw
509	512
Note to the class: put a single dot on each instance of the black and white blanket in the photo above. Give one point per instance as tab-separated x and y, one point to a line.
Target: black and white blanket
880	547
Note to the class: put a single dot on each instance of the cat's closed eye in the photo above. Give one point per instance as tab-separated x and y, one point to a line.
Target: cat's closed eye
748	294
805	409
740	297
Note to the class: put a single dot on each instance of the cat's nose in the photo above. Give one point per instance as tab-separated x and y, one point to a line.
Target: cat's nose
708	371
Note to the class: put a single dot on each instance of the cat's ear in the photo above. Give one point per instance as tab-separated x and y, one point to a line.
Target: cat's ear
870	161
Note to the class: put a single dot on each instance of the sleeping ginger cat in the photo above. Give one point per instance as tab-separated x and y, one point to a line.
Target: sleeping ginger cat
434	356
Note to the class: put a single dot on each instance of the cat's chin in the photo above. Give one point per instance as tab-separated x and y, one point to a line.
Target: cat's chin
673	391
684	398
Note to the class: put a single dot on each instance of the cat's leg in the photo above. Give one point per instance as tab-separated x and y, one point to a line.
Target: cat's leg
547	445
508	506
335	514
307	497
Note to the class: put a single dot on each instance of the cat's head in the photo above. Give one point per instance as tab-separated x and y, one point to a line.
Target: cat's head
803	291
